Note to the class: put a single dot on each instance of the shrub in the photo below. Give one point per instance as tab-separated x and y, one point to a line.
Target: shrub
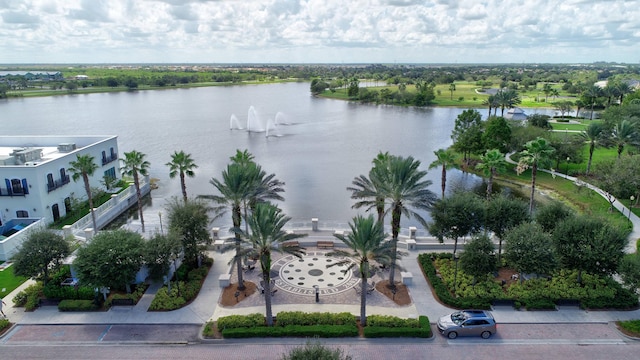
166	301
4	323
315	351
240	321
208	329
301	318
77	305
414	328
631	326
29	297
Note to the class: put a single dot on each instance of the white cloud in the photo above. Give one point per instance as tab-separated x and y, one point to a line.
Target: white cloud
364	31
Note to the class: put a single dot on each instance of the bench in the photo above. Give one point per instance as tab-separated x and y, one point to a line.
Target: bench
325	244
290	243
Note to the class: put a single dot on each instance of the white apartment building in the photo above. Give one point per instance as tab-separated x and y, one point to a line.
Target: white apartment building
34	178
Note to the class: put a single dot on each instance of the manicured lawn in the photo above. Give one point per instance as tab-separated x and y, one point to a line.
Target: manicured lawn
8	282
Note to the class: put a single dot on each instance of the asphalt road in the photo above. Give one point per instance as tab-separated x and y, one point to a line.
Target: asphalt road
513	341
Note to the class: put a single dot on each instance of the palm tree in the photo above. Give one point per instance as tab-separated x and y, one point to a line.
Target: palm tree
446	159
181	164
133	165
593	135
83	167
365	192
624	133
592	93
536	153
489	102
493	162
366	243
546	89
452	88
268	235
403	186
243	183
507	99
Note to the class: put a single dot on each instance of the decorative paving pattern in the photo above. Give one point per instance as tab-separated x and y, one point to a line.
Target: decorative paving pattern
299	276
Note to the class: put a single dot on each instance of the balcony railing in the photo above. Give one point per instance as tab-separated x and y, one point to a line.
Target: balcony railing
11	192
108	159
58	183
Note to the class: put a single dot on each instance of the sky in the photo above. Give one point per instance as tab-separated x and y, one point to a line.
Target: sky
319	31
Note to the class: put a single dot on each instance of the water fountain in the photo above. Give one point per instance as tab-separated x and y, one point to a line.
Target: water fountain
256	124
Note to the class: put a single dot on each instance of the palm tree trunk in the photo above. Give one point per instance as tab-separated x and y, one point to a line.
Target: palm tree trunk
238	259
267	297
534	171
591	149
87	188
490	184
183	185
136	182
363	298
395	228
444	179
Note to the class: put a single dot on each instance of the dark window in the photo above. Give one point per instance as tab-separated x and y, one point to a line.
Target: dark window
63	174
50	180
111	173
22	214
104	157
67	205
16	186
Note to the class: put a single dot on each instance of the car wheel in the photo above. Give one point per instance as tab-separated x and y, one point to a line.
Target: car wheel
452	335
486	334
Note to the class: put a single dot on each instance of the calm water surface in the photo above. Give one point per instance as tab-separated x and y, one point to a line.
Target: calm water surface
318	149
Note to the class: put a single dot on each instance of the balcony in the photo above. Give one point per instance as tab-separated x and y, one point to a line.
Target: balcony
58	183
108	159
12	192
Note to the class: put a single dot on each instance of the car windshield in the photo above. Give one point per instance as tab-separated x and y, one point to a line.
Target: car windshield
458	317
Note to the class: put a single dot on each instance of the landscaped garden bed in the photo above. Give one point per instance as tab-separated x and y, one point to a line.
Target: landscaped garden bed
300	324
595	292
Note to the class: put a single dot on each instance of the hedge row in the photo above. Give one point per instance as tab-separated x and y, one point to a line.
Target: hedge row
77	305
324	331
286	318
422	330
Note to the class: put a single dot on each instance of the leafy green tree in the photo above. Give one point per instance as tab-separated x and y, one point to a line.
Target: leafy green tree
594	135
588	244
478	258
492	162
539	120
549	215
629	271
497	134
83	167
189	222
563	107
366	243
135	165
182	164
507	99
537	153
42	252
445	158
267	224
111	259
160	253
405	188
467	132
504	213
459	215
529	249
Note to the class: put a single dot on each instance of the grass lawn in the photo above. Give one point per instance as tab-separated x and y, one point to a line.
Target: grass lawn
8	282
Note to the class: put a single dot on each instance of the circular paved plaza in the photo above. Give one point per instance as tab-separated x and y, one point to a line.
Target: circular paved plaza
302	275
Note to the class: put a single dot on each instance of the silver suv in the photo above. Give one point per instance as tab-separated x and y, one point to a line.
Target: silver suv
467	323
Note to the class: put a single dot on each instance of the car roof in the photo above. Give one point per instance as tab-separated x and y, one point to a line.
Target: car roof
478	313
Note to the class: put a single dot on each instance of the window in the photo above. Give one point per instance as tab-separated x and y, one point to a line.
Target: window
104	157
63	174
111	173
67	205
22	214
113	153
17	186
50	182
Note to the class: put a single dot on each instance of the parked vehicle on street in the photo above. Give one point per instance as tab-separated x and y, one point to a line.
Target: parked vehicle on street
467	323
